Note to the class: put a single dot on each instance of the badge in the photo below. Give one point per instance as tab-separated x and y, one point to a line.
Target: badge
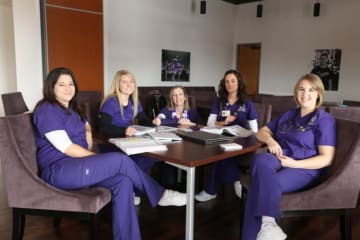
225	113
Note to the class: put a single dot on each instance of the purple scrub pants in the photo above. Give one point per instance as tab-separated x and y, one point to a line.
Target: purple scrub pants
268	182
114	171
225	171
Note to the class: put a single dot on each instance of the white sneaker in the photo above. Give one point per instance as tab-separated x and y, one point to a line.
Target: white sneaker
137	200
203	196
270	231
237	188
172	198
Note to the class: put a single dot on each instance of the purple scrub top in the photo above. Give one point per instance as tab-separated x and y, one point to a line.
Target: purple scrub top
112	107
50	117
171	118
243	113
299	137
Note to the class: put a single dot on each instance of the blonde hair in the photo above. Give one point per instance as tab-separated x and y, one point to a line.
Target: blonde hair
115	91
171	104
317	84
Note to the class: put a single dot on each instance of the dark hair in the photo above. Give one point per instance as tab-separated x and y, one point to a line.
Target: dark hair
324	55
49	85
241	91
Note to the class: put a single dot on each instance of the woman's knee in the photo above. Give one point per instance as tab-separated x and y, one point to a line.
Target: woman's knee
265	160
115	157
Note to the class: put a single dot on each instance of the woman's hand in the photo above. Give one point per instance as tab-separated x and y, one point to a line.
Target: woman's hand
229	120
130	131
89	136
185	121
156	121
287	161
274	147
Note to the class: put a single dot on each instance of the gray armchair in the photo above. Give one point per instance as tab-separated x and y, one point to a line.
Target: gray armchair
13	103
337	192
350	112
28	194
89	102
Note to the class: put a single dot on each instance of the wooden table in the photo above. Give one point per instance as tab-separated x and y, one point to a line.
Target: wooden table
188	155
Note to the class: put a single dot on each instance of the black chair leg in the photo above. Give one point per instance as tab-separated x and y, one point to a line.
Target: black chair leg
18	224
94	228
243	205
345	225
57	221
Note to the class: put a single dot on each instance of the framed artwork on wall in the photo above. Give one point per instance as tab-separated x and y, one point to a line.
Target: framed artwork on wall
175	66
326	65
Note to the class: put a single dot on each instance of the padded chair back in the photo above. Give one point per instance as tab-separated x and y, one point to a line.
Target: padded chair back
24	187
13	103
280	104
351	103
264	112
351	113
89	102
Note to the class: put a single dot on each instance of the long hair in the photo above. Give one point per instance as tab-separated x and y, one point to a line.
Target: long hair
49	93
317	84
241	91
171	104
115	91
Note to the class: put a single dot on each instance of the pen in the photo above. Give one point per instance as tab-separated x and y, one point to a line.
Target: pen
154	113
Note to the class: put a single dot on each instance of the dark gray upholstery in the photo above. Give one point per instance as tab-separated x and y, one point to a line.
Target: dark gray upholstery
338	191
13	103
350	112
280	104
90	102
264	111
351	103
29	194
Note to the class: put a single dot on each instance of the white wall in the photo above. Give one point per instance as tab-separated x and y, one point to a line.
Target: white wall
289	34
7	52
136	31
27	32
20	49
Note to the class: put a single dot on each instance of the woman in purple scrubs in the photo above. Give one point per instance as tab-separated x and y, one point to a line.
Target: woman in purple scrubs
120	110
177	114
301	142
178	111
230	108
66	161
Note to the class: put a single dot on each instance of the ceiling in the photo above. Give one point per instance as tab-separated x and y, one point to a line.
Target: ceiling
240	1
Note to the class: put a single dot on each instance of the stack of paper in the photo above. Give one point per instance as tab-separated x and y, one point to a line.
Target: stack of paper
165	136
234	130
135	145
142	130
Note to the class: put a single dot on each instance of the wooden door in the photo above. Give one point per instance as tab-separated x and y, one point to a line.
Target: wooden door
74	32
248	63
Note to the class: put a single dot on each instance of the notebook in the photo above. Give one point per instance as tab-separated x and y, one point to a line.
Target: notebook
163	128
135	145
203	137
233	130
142	130
165	136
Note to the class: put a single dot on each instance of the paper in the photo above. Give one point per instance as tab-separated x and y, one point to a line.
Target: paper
230	146
135	145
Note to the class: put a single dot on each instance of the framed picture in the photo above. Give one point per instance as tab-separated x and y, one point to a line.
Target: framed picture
326	65
175	66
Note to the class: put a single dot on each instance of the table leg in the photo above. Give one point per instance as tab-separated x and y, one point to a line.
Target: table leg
190	190
190	194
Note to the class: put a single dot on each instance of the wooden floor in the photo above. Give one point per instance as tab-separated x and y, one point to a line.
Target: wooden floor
216	219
